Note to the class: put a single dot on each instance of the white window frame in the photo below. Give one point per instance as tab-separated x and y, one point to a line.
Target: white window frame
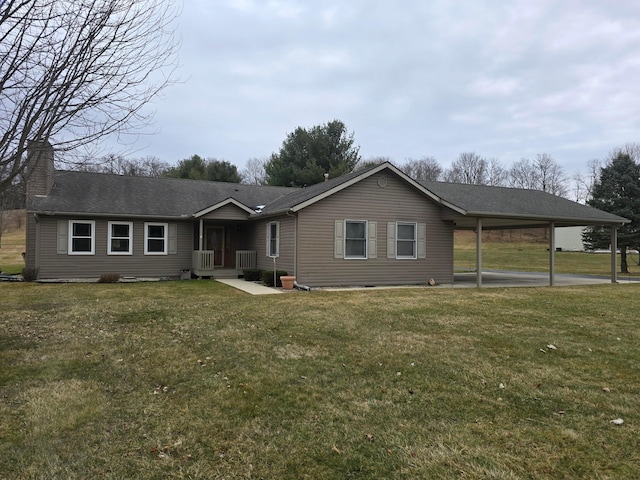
366	240
271	241
165	238
72	237
414	241
112	237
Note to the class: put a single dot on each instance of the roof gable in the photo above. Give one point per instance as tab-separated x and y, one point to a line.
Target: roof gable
228	201
307	196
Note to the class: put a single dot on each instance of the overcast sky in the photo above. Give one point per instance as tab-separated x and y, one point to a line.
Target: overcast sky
412	78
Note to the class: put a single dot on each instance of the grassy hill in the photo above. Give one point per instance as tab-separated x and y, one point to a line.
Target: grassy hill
12	243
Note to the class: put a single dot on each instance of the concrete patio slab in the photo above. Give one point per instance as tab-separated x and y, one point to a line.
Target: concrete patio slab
249	287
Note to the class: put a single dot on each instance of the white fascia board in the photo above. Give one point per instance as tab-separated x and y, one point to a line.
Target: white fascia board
221	204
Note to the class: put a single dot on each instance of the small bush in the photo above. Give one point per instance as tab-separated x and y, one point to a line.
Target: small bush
30	274
267	277
109	278
252	274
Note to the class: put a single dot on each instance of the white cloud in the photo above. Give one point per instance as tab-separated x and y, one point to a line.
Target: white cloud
415	78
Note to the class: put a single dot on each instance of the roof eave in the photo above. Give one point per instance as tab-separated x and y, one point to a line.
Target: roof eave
54	213
572	220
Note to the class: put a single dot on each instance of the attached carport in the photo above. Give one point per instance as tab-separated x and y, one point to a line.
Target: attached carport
479	208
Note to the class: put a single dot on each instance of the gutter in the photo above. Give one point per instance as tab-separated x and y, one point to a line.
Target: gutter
51	213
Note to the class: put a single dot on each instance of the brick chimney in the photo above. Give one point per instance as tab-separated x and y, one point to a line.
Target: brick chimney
39	170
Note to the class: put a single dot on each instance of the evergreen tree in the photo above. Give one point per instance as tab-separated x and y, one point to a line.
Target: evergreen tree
306	155
617	191
197	168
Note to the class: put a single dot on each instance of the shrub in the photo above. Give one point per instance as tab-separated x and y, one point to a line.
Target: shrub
109	278
252	274
30	274
267	277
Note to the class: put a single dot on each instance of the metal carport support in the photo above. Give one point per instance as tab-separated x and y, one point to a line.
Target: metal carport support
479	252
552	251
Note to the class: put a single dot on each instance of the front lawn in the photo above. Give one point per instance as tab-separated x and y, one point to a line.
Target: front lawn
197	380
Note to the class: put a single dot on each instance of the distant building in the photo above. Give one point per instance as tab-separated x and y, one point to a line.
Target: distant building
569	239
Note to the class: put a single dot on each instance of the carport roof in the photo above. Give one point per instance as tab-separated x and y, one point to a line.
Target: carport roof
501	207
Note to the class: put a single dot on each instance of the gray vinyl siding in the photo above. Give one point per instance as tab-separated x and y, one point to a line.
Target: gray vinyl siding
227	212
365	200
286	260
32	238
64	266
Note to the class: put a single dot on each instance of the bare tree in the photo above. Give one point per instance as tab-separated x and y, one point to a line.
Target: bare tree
496	173
551	175
523	174
75	71
139	167
543	173
469	168
253	173
426	168
371	162
631	149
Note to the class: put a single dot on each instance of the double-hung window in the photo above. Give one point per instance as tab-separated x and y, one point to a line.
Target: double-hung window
355	239
273	239
406	240
120	238
155	238
82	237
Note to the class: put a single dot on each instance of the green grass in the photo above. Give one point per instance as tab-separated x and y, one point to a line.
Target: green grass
12	243
197	380
517	252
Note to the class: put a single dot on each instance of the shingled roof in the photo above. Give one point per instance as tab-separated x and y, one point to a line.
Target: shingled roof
82	193
503	206
106	194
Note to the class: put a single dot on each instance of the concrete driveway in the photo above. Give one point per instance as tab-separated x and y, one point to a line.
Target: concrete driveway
496	278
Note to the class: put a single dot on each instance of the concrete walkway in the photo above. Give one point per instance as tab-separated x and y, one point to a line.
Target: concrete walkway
249	287
490	279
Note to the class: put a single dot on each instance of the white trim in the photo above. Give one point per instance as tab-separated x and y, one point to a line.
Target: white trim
277	239
228	201
72	236
165	238
110	237
415	241
366	240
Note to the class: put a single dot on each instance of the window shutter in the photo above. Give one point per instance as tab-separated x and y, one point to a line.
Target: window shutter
267	236
422	240
373	240
63	236
173	239
338	240
391	239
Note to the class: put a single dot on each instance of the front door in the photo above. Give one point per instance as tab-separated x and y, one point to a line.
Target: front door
214	241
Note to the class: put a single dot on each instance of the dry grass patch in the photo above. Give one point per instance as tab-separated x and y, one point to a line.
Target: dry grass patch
197	380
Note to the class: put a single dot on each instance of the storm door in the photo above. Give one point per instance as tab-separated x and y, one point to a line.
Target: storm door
214	241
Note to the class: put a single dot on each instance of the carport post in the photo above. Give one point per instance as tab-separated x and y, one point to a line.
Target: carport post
479	252
552	251
614	251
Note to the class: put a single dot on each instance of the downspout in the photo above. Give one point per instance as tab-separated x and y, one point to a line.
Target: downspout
295	242
614	250
297	285
479	252
552	250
